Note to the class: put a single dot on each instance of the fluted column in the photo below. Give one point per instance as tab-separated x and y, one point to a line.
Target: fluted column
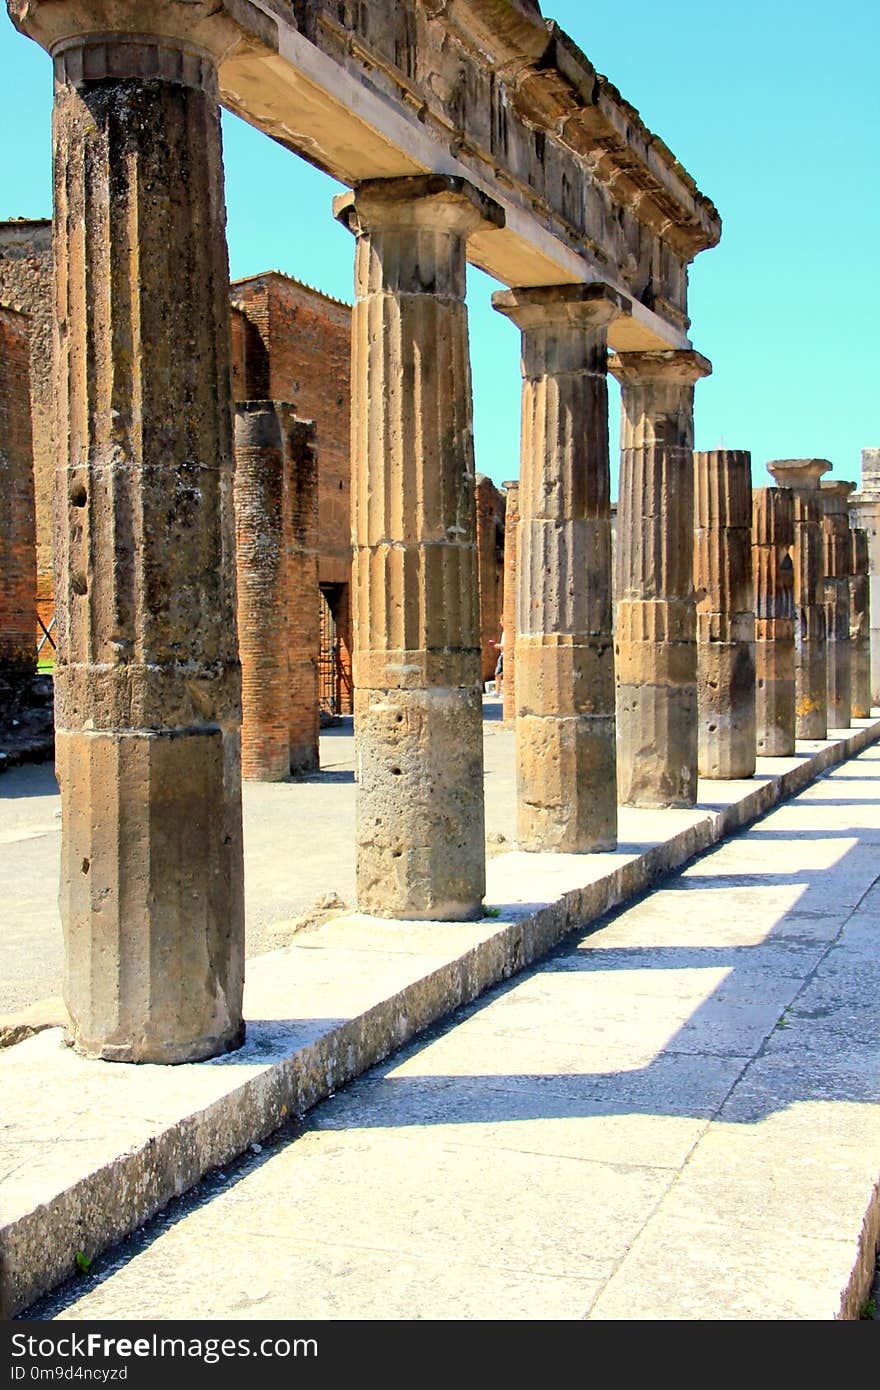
772	541
418	705
656	616
725	613
147	682
261	563
511	556
859	629
865	514
838	554
565	726
802	477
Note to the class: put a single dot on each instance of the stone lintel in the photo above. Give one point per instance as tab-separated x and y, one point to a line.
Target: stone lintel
800	475
435	201
215	27
684	366
583	306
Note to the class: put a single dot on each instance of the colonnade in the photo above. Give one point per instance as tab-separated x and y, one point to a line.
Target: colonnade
148	681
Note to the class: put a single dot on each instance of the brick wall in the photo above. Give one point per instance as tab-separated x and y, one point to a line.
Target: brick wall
294	344
26	284
490	568
18	573
511	518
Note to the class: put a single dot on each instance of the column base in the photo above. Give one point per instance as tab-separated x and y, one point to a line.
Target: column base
811	704
566	784
421	849
839	685
152	893
726	702
657	745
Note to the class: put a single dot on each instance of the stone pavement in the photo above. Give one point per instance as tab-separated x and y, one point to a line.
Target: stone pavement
675	1116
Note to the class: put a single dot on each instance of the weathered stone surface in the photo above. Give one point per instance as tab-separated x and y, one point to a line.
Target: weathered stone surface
859	631
301	523
566	777
420	831
656	617
772	540
511	570
834	498
147	676
490	571
725	613
803	478
865	514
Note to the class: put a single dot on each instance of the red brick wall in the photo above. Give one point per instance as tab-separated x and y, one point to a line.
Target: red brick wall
26	284
490	568
299	351
18	571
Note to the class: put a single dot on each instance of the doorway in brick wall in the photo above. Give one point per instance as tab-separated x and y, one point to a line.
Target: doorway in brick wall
334	663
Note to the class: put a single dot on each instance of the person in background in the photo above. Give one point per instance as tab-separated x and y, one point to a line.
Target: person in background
499	665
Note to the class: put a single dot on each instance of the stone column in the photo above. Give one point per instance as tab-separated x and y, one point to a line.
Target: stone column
303	594
838	554
859	631
147	683
802	478
511	526
656	615
565	724
261	564
865	514
725	613
418	706
772	540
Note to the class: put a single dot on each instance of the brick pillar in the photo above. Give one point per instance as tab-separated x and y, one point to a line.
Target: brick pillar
656	616
418	706
802	477
772	540
860	620
261	562
838	554
303	594
725	613
18	539
147	684
565	725
511	528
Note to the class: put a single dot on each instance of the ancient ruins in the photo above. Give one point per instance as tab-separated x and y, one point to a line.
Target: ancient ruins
213	594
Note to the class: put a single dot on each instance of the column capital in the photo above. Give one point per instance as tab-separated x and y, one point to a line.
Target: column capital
577	306
666	367
420	202
127	29
801	475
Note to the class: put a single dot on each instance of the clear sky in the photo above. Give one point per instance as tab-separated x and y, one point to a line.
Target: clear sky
774	107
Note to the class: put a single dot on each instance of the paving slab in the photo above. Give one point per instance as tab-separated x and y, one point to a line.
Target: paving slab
543	1133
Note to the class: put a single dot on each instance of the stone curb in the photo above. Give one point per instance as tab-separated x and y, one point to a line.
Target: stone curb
290	1063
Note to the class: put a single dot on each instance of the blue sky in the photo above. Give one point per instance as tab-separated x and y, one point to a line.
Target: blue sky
774	108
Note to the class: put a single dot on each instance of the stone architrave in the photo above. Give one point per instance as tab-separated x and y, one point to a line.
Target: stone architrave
511	520
860	619
772	541
838	556
657	739
418	706
802	478
865	514
261	564
147	680
725	613
565	719
301	508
